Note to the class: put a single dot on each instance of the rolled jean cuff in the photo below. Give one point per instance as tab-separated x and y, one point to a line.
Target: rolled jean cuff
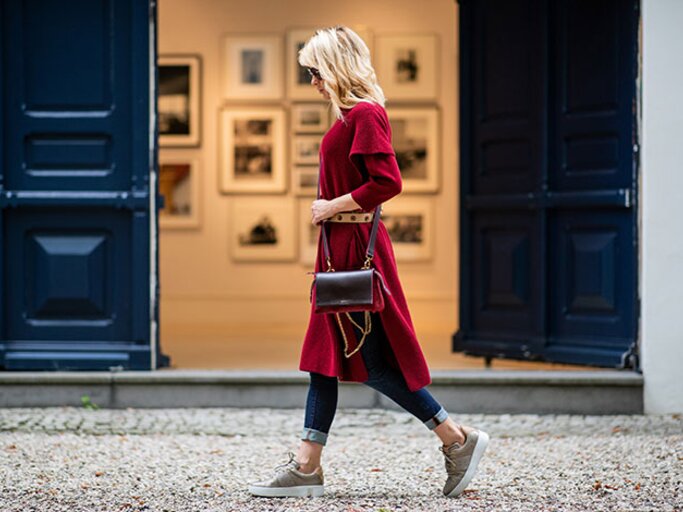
437	419
311	434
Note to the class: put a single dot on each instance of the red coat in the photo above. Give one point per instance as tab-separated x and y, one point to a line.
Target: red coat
356	156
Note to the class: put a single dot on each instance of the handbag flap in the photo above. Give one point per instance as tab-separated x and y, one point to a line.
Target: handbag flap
343	287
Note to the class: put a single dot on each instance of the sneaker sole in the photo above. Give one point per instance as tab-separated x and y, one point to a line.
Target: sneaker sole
477	454
286	492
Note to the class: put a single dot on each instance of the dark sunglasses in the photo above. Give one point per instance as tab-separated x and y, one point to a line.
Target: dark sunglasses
314	73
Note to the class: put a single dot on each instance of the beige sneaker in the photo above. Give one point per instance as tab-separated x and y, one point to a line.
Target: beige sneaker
289	481
461	461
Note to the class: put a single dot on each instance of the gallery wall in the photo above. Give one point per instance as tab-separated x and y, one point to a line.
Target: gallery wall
201	280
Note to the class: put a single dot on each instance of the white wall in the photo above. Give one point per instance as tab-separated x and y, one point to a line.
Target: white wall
662	206
199	282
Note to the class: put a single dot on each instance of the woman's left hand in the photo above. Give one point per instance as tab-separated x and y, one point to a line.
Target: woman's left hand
322	209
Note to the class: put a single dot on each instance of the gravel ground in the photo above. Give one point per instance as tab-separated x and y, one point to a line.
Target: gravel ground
68	459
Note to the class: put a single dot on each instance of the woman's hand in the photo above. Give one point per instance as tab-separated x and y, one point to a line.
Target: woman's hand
322	209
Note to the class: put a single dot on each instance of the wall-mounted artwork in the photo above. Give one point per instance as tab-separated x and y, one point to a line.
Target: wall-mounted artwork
298	80
308	233
306	149
305	180
410	223
179	184
262	229
310	117
179	103
252	154
415	138
252	67
406	66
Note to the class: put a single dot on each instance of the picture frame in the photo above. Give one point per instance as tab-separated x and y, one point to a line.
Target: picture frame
298	80
416	141
308	234
306	149
410	224
179	100
305	180
262	229
251	150
179	183
406	66
310	117
252	67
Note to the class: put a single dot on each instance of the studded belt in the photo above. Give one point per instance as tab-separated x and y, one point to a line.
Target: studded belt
352	217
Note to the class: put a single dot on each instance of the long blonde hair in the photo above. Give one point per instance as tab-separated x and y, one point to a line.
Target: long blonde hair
343	60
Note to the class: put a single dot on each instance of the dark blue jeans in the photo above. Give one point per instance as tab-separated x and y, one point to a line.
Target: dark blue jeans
321	403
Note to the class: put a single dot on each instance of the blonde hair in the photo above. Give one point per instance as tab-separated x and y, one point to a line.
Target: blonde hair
343	60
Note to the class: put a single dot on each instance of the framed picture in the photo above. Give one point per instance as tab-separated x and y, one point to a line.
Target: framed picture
410	223
179	107
308	234
252	67
406	66
305	180
262	229
298	80
306	149
179	184
252	153
415	138
310	117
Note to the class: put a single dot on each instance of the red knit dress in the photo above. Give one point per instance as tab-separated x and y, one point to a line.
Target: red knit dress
356	156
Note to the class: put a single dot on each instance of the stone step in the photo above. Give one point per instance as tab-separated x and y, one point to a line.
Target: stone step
464	391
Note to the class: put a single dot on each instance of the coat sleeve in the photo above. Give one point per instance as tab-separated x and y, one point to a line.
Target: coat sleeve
372	153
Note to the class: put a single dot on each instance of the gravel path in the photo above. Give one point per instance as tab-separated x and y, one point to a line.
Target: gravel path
67	459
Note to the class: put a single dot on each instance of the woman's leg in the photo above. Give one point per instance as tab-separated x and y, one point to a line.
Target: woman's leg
321	405
390	382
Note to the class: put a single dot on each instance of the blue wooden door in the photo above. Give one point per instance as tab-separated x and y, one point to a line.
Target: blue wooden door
77	154
549	180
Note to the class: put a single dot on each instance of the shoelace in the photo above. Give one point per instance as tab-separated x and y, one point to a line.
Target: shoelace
292	459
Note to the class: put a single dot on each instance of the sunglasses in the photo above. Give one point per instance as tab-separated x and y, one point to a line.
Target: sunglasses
314	73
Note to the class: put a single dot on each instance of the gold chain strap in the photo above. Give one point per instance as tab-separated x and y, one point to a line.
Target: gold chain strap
365	330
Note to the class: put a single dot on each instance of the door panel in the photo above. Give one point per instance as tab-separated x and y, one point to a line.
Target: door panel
548	180
77	150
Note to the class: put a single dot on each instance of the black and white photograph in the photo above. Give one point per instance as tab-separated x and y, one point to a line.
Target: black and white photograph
298	79
179	185
251	150
251	67
415	139
179	100
306	149
305	180
406	66
263	229
310	117
409	222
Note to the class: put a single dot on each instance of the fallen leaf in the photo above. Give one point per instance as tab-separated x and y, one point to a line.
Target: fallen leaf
637	486
99	473
597	485
206	485
84	485
606	486
376	469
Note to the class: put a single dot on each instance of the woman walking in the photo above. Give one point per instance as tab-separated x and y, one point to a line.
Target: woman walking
359	171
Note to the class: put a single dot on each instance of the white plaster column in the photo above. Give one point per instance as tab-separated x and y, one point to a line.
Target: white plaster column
662	206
